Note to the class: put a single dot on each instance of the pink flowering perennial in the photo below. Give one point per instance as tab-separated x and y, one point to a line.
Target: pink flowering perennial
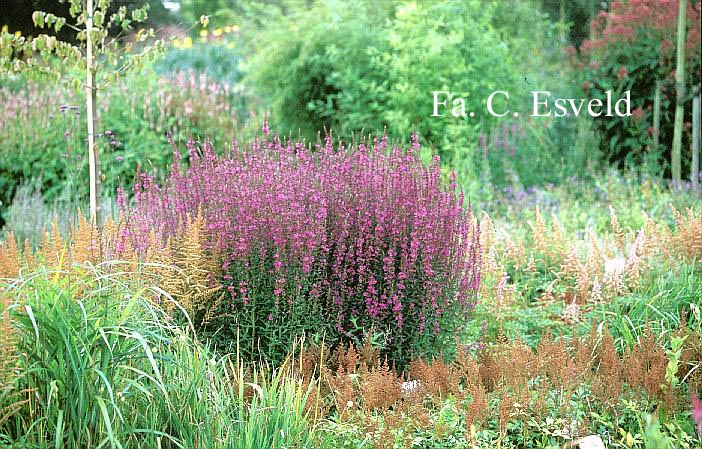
368	234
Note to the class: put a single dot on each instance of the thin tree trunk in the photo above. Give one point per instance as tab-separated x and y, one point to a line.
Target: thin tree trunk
680	92
695	169
93	156
656	116
562	24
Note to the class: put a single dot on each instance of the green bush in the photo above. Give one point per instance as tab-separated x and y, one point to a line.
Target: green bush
314	67
217	60
632	48
359	68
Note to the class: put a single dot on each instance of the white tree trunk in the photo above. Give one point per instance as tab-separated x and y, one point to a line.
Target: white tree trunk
93	156
656	116
680	93
695	169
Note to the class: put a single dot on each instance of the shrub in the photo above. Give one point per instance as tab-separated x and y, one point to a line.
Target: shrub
632	48
517	155
345	243
217	60
362	65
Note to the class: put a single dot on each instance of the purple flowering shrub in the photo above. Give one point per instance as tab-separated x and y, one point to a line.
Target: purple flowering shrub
346	243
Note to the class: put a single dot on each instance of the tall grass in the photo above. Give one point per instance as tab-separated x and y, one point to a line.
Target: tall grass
658	306
106	368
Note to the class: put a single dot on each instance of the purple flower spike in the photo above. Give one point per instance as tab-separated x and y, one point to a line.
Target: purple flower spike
371	232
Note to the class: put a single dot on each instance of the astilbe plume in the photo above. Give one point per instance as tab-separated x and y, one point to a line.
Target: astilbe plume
341	383
381	388
435	378
185	270
688	238
477	409
9	257
85	241
8	348
11	399
367	232
608	384
645	365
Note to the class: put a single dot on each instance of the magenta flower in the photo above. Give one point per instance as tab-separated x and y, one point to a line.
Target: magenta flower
697	413
370	234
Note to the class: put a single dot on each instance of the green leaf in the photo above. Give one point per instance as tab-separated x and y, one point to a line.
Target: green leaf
38	18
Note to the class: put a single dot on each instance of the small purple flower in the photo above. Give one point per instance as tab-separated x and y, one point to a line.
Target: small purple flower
119	158
482	141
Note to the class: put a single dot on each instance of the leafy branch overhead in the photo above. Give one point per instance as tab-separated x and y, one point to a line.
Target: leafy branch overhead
113	38
96	53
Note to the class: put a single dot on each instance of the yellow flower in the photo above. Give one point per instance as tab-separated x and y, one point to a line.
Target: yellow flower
203	33
235	28
217	32
4	29
227	29
188	42
18	33
176	43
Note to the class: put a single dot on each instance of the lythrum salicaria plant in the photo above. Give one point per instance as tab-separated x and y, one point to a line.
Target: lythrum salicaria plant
344	243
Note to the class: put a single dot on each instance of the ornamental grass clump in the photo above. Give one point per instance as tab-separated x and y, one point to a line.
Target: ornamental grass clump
349	242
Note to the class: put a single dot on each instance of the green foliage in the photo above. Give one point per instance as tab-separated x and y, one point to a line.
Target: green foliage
633	49
363	67
107	369
43	141
629	427
36	54
359	67
582	203
218	12
669	436
317	61
515	156
219	61
658	306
